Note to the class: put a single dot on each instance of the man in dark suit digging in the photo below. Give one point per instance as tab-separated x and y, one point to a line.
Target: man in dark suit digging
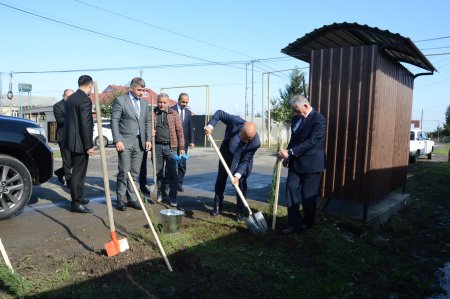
238	148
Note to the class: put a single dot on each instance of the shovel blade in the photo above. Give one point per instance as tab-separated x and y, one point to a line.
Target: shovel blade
260	220
254	227
110	249
154	193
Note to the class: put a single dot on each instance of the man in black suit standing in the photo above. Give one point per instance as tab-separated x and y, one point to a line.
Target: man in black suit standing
58	110
78	131
305	158
238	147
188	131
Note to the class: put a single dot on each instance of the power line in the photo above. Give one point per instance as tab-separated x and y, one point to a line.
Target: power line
438	54
161	28
110	36
431	39
434	48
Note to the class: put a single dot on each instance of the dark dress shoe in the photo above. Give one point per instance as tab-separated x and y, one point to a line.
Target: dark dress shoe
134	204
173	202
121	207
180	188
292	230
84	201
79	208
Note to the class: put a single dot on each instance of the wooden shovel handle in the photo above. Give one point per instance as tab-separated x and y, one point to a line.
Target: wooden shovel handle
277	191
103	156
163	253
153	144
224	164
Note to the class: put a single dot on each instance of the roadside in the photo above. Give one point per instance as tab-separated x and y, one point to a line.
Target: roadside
60	253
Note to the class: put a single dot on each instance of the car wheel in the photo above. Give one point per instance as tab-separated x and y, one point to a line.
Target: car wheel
97	141
15	186
429	155
413	159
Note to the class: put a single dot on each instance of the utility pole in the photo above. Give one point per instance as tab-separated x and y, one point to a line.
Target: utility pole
252	87
246	89
421	119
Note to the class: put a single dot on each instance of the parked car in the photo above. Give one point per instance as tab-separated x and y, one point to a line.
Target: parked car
419	145
107	134
25	160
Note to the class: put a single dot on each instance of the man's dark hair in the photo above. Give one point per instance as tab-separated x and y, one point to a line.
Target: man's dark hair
84	80
182	94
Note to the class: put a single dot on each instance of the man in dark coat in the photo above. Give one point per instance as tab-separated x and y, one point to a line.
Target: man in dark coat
305	157
238	148
58	110
188	131
78	133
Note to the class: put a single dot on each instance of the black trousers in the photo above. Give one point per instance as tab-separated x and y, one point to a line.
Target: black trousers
302	188
182	168
80	164
66	169
143	171
221	182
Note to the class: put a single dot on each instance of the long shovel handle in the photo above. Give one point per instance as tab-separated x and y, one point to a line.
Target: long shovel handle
112	227
224	164
130	178
277	191
153	144
5	256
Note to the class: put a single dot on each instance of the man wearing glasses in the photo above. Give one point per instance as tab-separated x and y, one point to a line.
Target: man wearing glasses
238	148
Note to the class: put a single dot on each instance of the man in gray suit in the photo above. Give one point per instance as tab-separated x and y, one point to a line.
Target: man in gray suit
131	129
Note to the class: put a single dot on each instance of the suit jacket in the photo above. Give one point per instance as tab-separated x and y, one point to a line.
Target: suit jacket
188	128
125	123
233	126
58	111
308	144
78	123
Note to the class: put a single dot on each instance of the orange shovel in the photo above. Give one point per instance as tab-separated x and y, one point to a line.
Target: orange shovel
115	246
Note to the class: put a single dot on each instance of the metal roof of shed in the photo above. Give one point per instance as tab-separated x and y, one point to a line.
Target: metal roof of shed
339	35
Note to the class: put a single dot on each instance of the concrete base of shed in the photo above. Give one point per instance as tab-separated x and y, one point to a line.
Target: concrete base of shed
378	212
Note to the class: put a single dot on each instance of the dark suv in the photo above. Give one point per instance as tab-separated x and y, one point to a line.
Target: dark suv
25	160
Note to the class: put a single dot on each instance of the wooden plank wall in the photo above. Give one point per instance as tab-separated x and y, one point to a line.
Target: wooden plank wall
353	88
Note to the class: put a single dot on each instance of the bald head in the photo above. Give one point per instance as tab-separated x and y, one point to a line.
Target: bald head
248	132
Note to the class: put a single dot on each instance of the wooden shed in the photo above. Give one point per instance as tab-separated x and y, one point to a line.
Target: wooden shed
358	83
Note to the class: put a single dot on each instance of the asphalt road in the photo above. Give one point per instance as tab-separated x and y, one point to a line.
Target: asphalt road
47	217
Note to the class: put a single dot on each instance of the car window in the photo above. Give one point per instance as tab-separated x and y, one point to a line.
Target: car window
107	126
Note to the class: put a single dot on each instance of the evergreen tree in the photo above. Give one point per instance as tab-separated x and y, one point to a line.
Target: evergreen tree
281	111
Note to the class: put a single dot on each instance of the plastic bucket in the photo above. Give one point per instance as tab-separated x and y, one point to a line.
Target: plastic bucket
171	220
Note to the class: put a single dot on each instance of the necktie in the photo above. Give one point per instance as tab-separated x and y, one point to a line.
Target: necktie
236	158
182	114
137	107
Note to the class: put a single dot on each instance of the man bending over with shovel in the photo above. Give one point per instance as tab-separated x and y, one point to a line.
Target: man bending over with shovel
238	148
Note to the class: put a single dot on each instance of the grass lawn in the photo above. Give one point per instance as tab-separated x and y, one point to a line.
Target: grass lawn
219	258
